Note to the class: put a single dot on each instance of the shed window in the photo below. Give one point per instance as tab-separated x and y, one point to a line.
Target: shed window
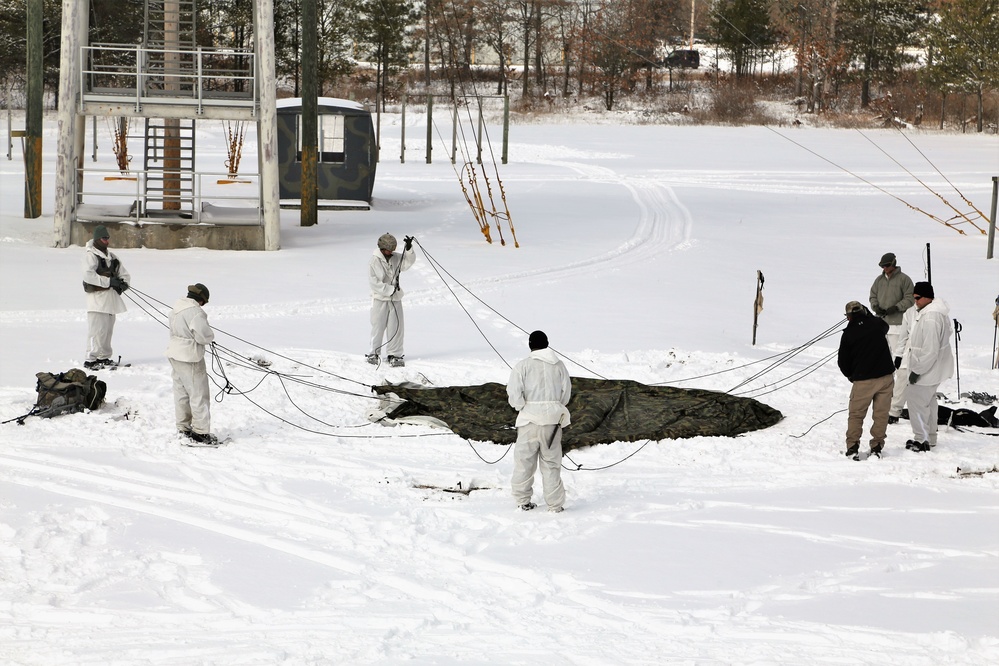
330	139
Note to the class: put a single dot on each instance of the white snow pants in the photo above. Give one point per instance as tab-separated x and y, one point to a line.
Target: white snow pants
388	323
898	393
923	412
901	375
531	447
100	327
191	397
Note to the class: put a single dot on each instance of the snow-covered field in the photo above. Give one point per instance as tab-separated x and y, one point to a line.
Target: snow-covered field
318	538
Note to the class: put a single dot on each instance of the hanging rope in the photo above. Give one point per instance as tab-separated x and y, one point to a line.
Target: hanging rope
469	176
235	132
119	130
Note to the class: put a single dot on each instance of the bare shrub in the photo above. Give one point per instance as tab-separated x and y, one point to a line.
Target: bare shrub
731	104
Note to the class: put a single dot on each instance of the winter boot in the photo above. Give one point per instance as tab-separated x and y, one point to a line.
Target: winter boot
371	358
892	419
876	450
555	509
396	361
528	506
203	439
853	452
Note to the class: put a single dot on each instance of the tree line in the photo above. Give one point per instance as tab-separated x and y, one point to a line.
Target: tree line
607	48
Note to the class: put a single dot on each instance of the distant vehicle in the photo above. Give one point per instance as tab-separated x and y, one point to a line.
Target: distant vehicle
683	59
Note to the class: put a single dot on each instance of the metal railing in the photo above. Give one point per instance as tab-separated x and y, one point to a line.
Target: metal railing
192	77
107	199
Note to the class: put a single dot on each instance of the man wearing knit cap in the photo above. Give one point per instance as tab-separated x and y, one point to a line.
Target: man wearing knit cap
864	359
539	389
891	296
930	363
189	334
388	328
104	280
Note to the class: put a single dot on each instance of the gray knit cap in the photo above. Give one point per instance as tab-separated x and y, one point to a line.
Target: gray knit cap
387	242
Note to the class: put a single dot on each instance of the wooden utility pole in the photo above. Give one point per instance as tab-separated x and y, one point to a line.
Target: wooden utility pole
33	122
310	114
171	82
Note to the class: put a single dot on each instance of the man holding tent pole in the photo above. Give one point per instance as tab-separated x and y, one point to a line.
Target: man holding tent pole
539	389
930	362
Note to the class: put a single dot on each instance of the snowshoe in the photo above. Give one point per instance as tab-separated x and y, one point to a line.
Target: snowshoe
199	439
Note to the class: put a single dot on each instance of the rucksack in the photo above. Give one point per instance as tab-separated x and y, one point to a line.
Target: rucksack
67	393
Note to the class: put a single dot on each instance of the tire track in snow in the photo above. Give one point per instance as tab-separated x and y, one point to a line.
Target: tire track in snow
663	225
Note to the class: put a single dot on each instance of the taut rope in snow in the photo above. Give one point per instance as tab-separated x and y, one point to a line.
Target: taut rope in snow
928	161
928	188
946	223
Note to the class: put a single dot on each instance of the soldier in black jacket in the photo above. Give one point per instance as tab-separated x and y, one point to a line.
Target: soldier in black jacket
864	359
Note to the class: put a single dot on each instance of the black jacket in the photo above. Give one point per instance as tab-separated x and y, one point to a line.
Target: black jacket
863	349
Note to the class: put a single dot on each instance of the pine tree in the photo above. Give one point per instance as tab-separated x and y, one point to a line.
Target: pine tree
744	30
876	33
963	41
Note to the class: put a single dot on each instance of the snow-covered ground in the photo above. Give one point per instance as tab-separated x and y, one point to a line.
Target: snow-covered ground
318	538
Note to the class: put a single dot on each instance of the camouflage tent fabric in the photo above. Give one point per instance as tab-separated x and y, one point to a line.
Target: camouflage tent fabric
603	411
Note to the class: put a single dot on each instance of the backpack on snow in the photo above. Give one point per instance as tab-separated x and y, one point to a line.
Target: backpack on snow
67	393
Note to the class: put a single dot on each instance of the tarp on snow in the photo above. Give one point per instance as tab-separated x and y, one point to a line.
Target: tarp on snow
602	411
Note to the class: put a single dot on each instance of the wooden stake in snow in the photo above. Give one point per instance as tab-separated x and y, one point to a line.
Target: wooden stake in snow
758	302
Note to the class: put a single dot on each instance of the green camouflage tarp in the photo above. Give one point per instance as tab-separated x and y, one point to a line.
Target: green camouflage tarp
602	411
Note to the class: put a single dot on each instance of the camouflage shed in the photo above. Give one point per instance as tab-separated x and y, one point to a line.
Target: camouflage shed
348	150
603	411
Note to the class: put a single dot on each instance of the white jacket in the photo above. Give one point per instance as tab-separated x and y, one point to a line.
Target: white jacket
539	389
930	356
189	332
105	300
383	274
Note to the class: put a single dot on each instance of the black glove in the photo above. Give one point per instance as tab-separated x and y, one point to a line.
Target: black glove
408	240
879	311
892	310
118	284
898	362
913	377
